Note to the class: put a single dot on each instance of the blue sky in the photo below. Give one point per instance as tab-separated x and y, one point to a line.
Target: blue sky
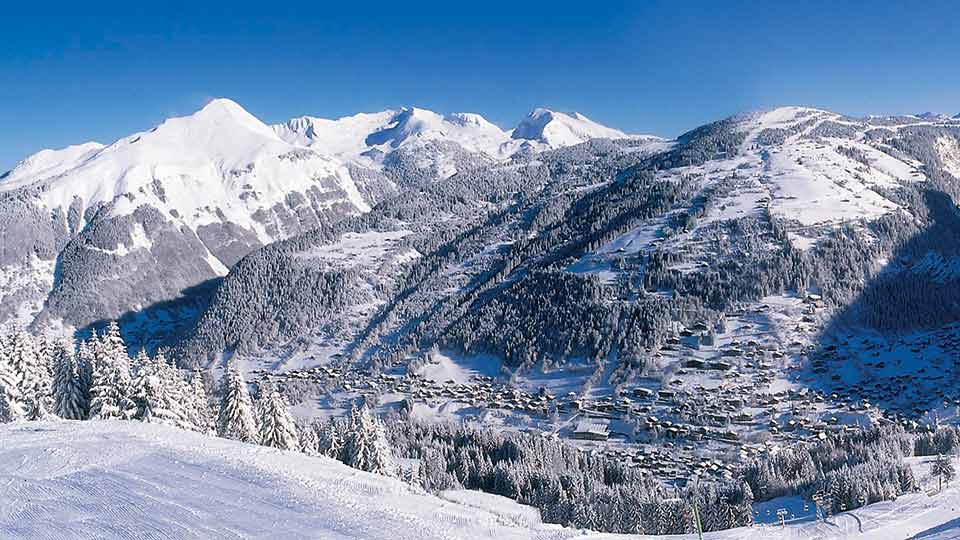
98	71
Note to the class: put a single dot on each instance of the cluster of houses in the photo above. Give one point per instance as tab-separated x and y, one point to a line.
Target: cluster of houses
718	398
904	392
482	391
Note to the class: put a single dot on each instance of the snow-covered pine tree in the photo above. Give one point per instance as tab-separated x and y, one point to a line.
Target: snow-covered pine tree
110	386
68	395
45	373
942	468
330	441
10	409
309	439
31	372
366	445
235	420
276	425
198	404
177	391
84	360
149	392
112	346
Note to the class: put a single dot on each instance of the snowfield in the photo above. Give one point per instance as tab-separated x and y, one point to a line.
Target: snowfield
113	479
88	480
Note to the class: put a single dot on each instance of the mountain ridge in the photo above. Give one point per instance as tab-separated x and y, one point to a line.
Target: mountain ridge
209	187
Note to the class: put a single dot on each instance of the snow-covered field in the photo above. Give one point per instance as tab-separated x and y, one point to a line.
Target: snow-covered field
75	480
85	480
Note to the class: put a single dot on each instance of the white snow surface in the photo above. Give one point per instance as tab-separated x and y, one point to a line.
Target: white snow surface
113	479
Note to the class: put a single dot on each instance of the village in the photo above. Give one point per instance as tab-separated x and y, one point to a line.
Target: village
722	397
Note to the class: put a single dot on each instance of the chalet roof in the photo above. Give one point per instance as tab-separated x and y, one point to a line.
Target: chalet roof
595	427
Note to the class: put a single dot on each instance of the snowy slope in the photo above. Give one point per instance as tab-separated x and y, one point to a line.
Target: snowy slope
811	168
108	480
112	479
47	163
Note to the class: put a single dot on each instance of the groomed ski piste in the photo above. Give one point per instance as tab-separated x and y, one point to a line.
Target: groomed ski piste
130	480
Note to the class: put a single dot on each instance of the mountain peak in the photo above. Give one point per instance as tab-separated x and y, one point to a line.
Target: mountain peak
352	137
562	129
222	104
929	115
219	113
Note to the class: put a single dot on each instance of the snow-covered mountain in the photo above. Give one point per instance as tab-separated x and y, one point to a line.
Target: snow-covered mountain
557	129
218	165
779	276
369	139
792	176
364	137
94	232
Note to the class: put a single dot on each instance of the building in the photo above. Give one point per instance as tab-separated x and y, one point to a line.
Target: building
592	430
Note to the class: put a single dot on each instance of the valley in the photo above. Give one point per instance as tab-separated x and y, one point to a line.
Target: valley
689	310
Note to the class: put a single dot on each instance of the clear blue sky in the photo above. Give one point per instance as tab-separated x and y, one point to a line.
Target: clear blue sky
100	70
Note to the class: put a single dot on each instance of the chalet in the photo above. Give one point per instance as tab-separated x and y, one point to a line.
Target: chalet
695	363
643	393
592	430
720	366
691	342
666	395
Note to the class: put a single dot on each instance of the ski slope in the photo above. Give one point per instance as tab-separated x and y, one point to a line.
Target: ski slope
86	480
74	480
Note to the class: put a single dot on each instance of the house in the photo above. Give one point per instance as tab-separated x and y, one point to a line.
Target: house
592	430
695	363
643	393
720	366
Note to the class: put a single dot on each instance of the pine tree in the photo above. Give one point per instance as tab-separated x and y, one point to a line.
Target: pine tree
84	359
309	439
235	420
943	469
31	372
177	392
276	425
330	441
68	398
110	386
44	378
198	404
10	408
366	445
150	392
